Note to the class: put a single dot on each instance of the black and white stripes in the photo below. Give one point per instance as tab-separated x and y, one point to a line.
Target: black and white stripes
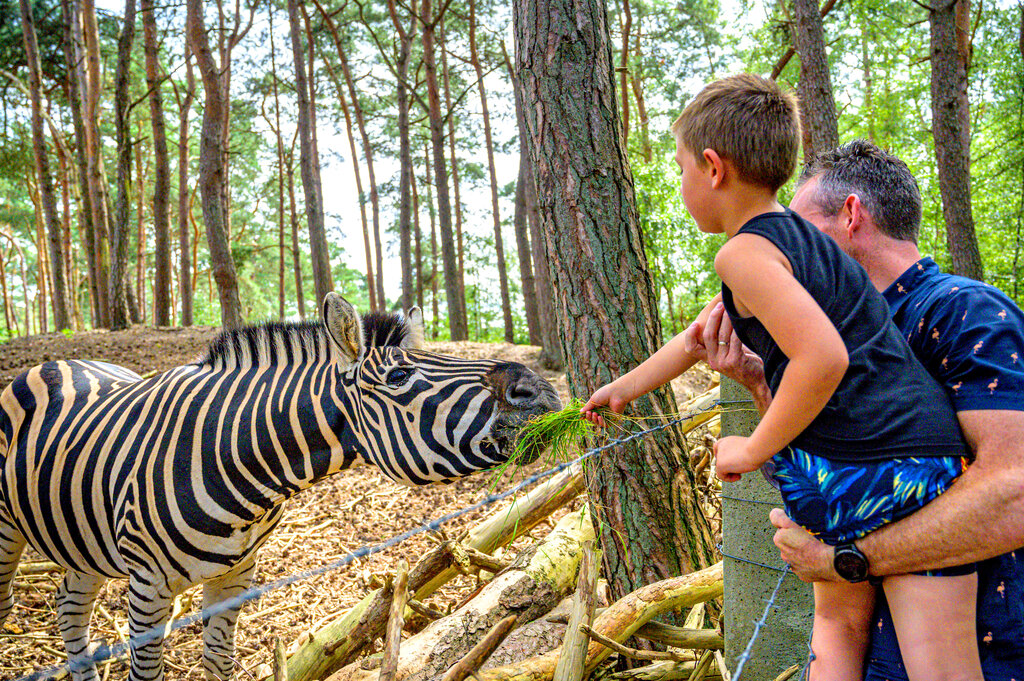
178	479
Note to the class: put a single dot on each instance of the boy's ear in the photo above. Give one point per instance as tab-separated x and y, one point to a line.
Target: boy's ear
716	167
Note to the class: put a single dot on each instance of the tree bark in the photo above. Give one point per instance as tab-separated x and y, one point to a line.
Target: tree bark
162	175
637	78
950	30
499	248
58	283
213	171
818	107
185	256
433	245
454	294
627	27
118	300
525	260
300	296
322	281
450	120
280	167
607	311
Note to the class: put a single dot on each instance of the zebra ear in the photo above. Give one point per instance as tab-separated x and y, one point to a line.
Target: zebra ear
414	337
344	327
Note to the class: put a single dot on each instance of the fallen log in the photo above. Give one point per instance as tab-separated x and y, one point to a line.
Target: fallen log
318	654
481	651
621	620
538	579
574	644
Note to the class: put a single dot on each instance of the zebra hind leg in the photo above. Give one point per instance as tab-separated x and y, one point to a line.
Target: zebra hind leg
75	599
12	543
219	629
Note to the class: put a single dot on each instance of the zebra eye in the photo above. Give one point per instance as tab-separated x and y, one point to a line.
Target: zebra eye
398	376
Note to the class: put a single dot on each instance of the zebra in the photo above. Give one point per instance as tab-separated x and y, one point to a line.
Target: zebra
178	479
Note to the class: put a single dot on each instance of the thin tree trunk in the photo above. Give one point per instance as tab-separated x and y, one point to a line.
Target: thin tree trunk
94	156
357	110
404	151
61	319
212	170
9	320
454	294
319	255
418	251
818	107
118	312
371	281
456	186
162	174
141	175
185	278
525	260
280	167
433	246
950	30
608	316
64	158
499	248
75	75
293	216
637	78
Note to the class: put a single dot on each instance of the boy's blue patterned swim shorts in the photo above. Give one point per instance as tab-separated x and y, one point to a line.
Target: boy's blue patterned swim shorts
841	501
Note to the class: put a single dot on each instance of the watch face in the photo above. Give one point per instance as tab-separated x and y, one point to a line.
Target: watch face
850	564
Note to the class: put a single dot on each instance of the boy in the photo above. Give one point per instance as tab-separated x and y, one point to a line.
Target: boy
860	435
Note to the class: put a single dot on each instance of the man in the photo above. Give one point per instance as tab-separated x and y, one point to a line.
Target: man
971	339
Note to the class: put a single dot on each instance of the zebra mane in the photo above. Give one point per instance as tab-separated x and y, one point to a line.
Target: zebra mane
262	343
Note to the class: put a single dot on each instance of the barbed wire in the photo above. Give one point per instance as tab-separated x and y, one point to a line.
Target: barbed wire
105	652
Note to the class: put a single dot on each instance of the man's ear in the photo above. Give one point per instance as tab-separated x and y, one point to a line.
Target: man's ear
853	215
344	328
716	167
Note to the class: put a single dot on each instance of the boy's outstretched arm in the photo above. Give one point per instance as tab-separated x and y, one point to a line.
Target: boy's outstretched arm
761	280
668	362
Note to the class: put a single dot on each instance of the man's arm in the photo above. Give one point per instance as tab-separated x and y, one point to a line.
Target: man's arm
981	516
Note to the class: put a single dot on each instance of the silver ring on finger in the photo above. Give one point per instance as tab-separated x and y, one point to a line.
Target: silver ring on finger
723	342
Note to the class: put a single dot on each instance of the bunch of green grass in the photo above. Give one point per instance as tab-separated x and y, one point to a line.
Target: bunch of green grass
559	434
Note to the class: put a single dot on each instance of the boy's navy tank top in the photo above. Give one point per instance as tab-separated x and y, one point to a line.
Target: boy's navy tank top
887	406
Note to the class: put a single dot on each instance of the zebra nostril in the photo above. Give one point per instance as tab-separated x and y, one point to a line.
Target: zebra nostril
520	393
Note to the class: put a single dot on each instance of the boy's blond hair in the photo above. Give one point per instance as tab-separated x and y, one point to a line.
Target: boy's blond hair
748	120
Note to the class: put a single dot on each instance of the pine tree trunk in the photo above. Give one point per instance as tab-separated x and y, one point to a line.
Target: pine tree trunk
450	119
280	168
608	316
118	312
300	295
637	78
322	282
404	151
417	238
371	281
75	74
454	294
94	156
529	283
499	248
162	175
627	27
212	170
58	283
950	28
817	105
185	277
433	245
551	354
138	308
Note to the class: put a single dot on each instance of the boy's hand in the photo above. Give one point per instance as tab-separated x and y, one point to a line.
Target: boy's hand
612	396
733	458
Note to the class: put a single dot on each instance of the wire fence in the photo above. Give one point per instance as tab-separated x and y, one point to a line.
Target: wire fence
105	652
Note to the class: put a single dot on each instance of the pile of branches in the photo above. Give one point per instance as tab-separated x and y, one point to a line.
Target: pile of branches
542	615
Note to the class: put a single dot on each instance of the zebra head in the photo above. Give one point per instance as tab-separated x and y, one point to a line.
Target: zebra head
422	417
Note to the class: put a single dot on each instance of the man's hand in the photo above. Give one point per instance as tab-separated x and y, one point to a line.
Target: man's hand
810	559
717	344
733	458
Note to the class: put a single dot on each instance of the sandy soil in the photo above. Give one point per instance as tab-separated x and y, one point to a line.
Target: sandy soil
323	523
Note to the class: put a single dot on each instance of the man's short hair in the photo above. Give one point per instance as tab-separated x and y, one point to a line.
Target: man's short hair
748	120
882	182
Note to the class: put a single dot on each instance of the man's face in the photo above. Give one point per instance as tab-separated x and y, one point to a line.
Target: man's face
803	204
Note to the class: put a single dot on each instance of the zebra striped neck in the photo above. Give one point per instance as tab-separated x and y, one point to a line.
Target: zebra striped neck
268	344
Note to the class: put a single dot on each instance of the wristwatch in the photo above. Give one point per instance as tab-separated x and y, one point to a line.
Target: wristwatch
850	562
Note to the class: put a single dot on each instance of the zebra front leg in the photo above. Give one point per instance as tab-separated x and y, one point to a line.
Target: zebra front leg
150	603
219	628
12	543
75	599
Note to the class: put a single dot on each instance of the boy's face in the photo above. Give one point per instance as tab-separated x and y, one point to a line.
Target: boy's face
695	188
